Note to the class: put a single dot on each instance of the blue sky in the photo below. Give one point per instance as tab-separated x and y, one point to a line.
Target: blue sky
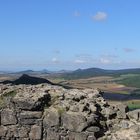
69	34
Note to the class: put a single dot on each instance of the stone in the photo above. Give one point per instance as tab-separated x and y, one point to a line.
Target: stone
8	117
93	129
93	108
23	132
77	136
91	138
74	122
31	101
51	118
135	115
3	131
52	135
74	108
30	115
35	133
121	115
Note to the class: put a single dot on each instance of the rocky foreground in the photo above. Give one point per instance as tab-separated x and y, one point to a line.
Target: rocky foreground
47	112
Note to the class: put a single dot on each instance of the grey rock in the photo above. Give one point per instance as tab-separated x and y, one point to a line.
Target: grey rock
30	115
52	135
3	131
8	117
77	136
91	138
74	122
93	129
36	133
134	115
51	118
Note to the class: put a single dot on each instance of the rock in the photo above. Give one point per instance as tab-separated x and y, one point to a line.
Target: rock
93	108
123	109
77	136
49	112
51	118
134	115
3	131
31	101
36	133
74	108
91	138
8	117
30	115
23	132
52	135
74	122
93	129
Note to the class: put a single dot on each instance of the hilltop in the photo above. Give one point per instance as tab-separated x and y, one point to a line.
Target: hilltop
46	111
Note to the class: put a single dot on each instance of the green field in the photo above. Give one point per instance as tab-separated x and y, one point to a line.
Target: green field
131	80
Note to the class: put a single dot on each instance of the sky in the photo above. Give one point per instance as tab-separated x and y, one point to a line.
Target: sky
69	34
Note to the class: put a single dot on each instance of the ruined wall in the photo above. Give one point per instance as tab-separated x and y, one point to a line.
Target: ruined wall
45	112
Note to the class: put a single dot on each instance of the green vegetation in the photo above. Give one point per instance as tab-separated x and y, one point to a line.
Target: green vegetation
2	102
131	81
134	104
5	97
10	94
60	110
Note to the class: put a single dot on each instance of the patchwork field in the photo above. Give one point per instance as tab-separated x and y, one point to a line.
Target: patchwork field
121	84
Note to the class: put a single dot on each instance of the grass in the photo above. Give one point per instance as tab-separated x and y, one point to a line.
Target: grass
134	104
130	80
4	98
60	110
2	102
10	94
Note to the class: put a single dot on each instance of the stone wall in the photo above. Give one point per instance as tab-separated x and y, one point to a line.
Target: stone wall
46	112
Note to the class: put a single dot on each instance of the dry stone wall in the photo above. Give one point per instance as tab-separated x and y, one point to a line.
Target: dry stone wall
46	112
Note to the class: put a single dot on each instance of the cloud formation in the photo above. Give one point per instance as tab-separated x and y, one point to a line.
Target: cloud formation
78	61
128	50
100	16
55	60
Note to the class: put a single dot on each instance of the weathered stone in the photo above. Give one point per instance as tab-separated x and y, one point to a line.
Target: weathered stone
31	101
74	115
30	115
8	117
74	108
77	136
3	131
91	138
121	115
51	118
30	121
93	108
74	122
23	132
93	129
134	115
52	135
36	133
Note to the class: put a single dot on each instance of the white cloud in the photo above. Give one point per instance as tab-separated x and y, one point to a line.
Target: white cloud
128	50
78	61
105	61
55	60
100	16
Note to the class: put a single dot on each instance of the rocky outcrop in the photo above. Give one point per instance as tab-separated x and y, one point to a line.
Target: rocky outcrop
48	112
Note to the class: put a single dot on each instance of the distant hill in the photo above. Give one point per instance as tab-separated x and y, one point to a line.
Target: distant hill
26	79
93	72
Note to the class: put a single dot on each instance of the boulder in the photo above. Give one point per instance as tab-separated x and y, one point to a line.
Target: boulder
74	122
